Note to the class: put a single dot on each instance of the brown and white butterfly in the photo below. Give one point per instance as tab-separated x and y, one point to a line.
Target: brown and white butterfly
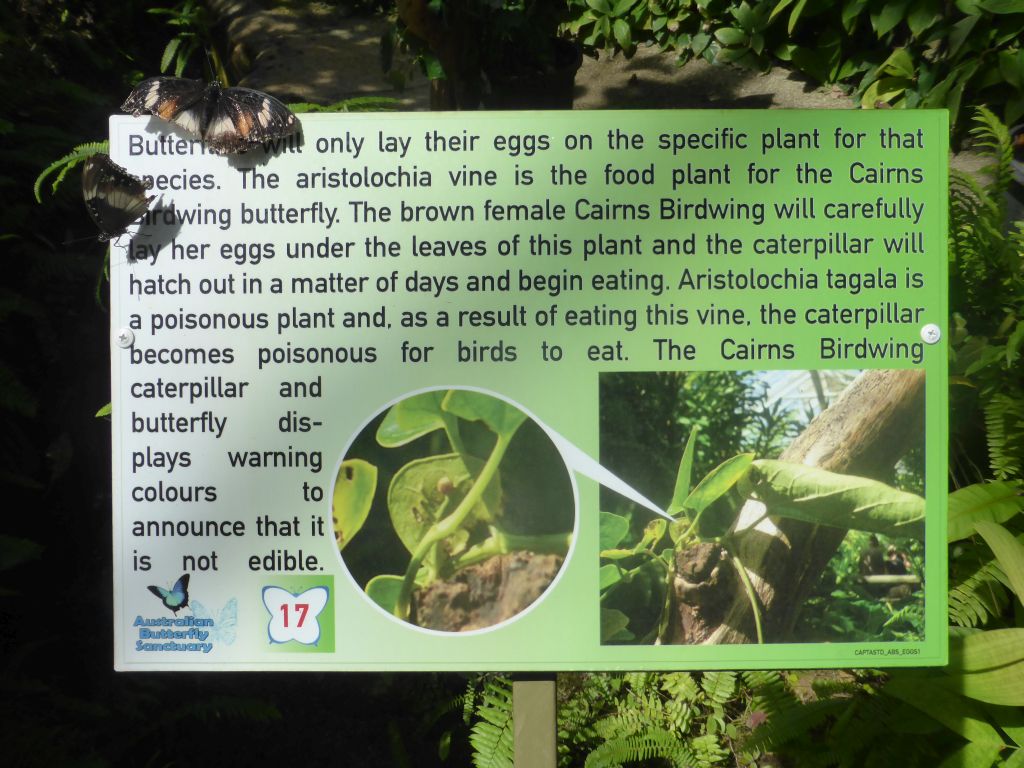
228	120
114	198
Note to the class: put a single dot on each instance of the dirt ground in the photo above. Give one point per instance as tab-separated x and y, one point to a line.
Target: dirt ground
315	53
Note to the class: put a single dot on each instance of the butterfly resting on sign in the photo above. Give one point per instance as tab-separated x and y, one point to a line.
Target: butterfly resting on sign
228	120
114	198
174	598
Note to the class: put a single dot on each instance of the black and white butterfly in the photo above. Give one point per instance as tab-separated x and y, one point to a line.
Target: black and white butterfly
114	198
228	120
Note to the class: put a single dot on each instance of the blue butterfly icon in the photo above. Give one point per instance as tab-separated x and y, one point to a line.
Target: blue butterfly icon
175	598
225	625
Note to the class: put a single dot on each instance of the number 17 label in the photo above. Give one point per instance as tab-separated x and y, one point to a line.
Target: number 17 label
294	616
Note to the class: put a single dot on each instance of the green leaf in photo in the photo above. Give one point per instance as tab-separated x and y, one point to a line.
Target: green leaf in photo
843	501
613	625
614	529
411	418
500	417
354	489
384	591
426	490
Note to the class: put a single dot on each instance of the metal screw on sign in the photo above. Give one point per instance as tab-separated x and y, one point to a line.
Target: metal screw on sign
931	333
125	338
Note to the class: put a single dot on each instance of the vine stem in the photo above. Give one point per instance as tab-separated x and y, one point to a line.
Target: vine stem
751	595
446	527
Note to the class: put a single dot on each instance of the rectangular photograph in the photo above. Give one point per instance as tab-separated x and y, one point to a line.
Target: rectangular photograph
796	499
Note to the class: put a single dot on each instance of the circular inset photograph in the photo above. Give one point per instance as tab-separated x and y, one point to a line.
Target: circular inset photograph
453	510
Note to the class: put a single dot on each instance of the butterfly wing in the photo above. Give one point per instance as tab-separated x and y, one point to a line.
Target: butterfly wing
227	623
178	100
114	198
178	597
242	118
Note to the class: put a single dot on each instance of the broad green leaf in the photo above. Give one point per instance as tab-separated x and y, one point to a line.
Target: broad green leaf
500	417
715	521
744	15
622	32
996	502
960	715
1008	551
794	17
980	651
852	10
778	9
1011	64
426	490
1013	760
887	15
717	483
1001	6
1010	720
683	475
412	418
899	63
843	501
613	530
741	56
384	591
622	7
885	89
608	576
731	36
960	32
106	410
1002	685
612	623
972	753
169	51
354	489
922	15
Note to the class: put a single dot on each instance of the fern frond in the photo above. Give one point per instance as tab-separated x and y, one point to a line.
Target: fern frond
771	693
65	164
992	138
719	686
680	685
1004	431
912	614
491	737
640	713
650	745
792	723
469	700
976	590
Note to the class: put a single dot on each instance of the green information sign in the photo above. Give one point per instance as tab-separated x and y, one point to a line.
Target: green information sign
567	390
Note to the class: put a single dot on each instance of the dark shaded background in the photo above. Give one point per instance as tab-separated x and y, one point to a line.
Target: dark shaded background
64	68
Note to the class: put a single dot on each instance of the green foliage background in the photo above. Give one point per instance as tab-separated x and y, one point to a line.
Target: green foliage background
64	66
